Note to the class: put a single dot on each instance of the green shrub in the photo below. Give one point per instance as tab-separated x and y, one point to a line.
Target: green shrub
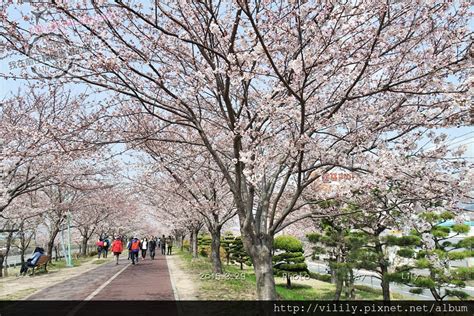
292	259
186	245
416	290
320	276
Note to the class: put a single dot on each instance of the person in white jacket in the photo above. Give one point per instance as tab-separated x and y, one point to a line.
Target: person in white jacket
144	246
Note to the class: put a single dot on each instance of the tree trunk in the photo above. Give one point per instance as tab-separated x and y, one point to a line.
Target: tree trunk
337	294
260	251
338	276
351	285
195	243
288	281
7	251
435	294
191	241
383	264
216	250
2	257
182	242
50	244
22	256
333	274
385	285
85	240
23	246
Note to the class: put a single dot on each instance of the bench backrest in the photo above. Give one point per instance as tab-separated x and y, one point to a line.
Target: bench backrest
42	260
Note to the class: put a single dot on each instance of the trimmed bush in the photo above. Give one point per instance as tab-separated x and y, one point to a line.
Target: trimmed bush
291	260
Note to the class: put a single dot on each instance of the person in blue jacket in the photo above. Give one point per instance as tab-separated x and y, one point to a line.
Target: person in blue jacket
31	262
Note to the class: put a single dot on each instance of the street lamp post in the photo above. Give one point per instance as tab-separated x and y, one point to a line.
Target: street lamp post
69	259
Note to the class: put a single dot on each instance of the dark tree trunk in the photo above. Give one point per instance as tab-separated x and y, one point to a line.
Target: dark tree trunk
385	284
435	292
339	277
191	241
50	244
84	242
182	242
25	241
288	281
383	264
56	253
195	243
2	258
23	246
216	250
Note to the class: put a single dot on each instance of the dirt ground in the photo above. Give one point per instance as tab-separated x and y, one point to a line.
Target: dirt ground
181	279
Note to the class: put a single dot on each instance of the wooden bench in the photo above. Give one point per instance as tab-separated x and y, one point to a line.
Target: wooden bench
42	261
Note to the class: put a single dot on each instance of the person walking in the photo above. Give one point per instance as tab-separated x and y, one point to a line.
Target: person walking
169	242
152	247
100	247
163	245
105	248
134	249
128	247
144	247
117	248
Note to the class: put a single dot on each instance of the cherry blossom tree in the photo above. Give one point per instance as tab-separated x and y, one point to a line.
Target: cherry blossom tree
274	92
173	207
196	182
44	127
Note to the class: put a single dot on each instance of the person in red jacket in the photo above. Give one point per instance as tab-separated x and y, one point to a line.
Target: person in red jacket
117	248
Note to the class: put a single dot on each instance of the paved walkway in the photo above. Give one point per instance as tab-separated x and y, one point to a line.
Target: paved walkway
147	280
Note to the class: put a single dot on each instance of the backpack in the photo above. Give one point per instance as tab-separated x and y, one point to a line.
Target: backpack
135	245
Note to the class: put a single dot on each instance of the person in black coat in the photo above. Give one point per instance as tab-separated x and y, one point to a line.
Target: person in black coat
152	247
163	245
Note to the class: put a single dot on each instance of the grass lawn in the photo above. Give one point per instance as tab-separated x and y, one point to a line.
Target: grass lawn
238	284
235	285
19	294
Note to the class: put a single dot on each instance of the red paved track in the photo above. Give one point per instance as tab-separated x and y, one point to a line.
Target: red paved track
147	280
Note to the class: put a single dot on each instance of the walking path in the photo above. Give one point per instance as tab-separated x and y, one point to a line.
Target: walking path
147	280
97	291
15	288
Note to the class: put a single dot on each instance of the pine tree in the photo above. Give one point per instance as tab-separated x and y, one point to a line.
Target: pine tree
204	245
238	253
289	258
226	243
435	253
343	248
